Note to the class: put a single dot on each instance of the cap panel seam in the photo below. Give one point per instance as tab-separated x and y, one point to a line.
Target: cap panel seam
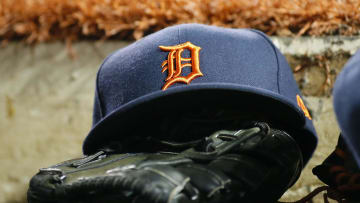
277	58
179	35
99	95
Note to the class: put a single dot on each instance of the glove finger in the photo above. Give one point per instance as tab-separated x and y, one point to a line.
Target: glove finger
209	181
160	183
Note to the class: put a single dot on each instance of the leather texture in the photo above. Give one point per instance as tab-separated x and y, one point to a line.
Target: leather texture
256	164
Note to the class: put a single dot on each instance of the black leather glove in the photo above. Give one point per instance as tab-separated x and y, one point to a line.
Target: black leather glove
256	164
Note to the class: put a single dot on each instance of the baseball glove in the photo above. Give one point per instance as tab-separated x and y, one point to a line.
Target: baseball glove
252	164
340	172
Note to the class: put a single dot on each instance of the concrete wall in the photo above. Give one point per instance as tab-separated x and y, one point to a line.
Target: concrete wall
46	102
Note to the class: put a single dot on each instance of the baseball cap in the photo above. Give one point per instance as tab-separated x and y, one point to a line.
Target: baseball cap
346	98
191	66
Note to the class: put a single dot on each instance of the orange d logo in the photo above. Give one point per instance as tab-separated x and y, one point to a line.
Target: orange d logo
174	63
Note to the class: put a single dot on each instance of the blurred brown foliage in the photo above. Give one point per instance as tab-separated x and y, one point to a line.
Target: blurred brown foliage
44	20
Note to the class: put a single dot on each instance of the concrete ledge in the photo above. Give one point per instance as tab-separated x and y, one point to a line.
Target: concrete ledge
317	45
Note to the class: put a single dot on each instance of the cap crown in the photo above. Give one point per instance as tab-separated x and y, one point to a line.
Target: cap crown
200	57
234	56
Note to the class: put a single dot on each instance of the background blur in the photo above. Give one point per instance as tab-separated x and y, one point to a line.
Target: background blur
51	50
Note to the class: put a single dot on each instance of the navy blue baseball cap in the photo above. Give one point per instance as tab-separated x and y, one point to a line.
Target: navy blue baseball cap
187	67
346	98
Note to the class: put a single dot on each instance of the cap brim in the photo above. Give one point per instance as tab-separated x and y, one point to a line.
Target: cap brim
129	116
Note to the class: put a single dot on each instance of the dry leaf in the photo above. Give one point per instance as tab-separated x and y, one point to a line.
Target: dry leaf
45	20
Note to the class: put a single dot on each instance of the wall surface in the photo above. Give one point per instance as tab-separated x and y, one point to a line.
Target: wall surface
46	100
